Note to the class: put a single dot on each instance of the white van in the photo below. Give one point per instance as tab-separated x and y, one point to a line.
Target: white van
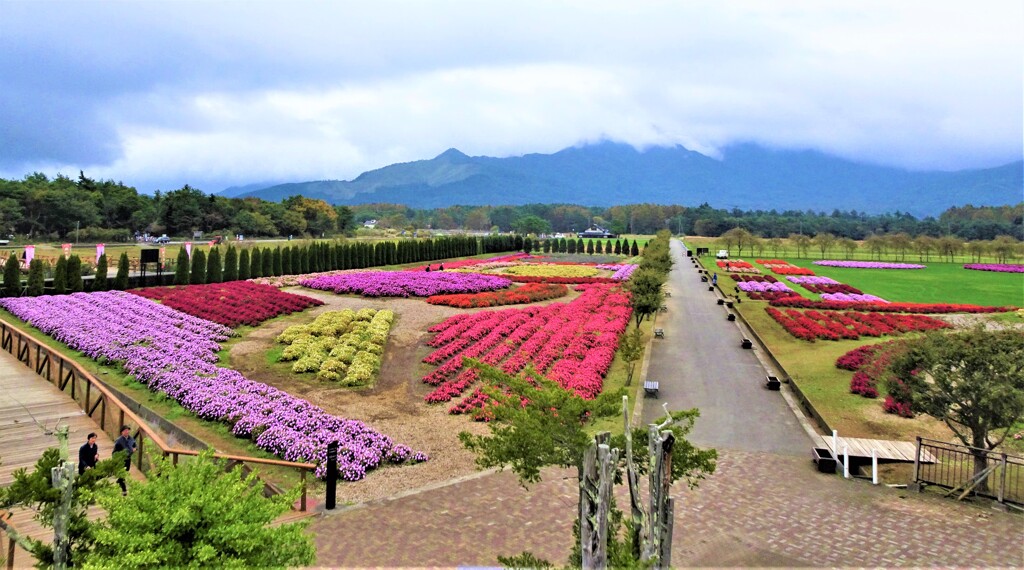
722	254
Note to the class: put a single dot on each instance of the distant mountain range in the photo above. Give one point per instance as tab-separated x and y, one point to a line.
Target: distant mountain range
606	174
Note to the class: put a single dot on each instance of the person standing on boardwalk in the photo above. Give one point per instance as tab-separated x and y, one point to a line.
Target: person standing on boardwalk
125	443
88	454
714	279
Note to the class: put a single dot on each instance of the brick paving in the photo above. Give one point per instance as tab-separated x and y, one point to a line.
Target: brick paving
758	509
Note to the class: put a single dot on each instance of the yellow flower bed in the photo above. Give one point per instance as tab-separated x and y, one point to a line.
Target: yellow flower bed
340	346
551	270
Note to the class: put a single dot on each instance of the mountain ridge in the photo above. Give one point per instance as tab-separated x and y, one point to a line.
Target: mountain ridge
747	177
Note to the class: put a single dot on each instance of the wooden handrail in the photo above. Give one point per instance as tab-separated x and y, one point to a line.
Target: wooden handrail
8	331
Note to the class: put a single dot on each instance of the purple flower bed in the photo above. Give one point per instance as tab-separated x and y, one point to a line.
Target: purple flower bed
763	287
622	270
812	280
998	267
406	283
852	298
868	264
175	353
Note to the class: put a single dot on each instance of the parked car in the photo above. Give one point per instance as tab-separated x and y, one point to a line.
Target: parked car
162	239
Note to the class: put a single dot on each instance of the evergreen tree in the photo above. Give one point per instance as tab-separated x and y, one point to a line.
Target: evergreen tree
74	275
268	262
12	277
634	251
244	264
36	278
599	246
304	259
181	270
231	264
580	246
314	258
214	273
60	276
278	262
121	279
618	247
571	246
198	276
590	246
286	261
100	282
256	263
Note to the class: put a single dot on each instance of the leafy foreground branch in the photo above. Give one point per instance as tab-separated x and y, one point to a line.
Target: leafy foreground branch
538	424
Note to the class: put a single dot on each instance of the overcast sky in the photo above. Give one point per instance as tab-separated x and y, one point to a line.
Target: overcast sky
159	94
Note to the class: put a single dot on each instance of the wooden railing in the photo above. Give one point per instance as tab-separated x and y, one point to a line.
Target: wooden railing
954	469
100	404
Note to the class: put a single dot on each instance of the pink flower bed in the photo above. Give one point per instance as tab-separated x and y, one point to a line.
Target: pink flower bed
997	267
737	266
763	287
852	298
868	264
833	325
406	283
571	343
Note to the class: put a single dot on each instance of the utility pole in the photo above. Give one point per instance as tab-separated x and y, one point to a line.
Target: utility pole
77	223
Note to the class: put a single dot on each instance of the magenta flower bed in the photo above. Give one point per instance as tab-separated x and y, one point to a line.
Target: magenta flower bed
852	298
570	343
175	353
812	280
406	283
868	264
997	267
622	270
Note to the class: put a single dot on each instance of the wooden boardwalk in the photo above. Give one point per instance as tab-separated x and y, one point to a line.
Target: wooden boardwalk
887	451
26	399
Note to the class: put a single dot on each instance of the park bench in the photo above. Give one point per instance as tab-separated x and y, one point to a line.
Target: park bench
659	333
772	382
664	309
651	388
747	343
731	317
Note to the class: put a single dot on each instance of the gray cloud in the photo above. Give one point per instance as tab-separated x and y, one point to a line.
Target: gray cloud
160	94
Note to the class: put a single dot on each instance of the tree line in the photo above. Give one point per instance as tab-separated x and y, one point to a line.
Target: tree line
37	206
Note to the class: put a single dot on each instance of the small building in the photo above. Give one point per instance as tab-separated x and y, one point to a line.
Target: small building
371	224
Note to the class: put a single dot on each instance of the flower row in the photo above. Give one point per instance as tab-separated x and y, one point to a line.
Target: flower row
781	267
528	293
802	303
175	353
757	278
551	270
867	264
997	267
571	343
737	266
623	271
763	286
406	283
841	297
869	364
231	304
833	325
562	280
471	262
340	346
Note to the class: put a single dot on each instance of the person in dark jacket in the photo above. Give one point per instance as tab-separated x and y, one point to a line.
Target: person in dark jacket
88	454
125	443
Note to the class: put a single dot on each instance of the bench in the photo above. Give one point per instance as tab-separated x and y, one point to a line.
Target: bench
651	388
747	343
772	383
731	317
659	333
664	309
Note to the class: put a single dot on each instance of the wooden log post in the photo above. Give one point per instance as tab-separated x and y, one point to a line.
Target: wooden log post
640	530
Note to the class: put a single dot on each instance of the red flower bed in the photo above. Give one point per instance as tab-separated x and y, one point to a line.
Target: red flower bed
529	293
802	303
783	267
231	304
813	325
562	280
570	343
870	364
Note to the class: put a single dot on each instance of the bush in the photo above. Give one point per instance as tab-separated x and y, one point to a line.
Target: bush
60	276
121	279
198	276
340	346
99	283
12	277
36	278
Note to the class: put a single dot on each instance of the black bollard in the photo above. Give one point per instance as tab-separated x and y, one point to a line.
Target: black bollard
332	474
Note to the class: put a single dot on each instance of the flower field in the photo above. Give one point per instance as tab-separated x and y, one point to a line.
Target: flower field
867	264
340	346
551	270
473	262
622	271
937	308
406	283
570	343
764	287
782	267
836	325
231	304
528	293
737	266
175	353
869	364
997	267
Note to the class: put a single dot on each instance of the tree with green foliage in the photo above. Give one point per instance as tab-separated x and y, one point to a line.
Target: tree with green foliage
214	272
631	348
244	265
256	263
12	277
973	381
634	251
35	490
123	266
74	275
197	514
231	264
99	282
580	245
590	247
198	275
278	265
618	247
286	261
570	246
60	276
646	295
36	278
267	260
181	271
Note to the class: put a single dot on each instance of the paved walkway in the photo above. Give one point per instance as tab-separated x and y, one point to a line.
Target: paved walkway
700	364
